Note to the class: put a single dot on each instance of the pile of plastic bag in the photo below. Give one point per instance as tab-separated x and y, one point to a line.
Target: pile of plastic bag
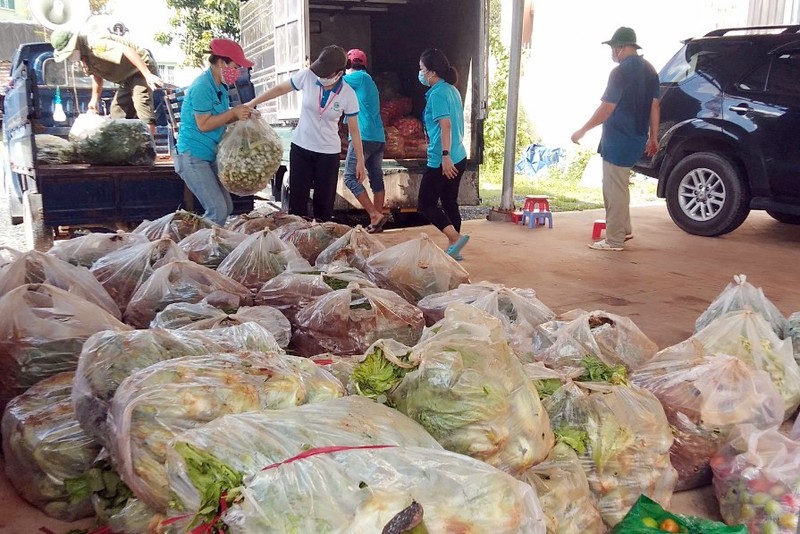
209	246
87	249
176	226
351	250
261	219
311	238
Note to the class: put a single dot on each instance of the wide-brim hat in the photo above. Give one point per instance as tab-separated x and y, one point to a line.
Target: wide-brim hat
64	43
623	36
331	60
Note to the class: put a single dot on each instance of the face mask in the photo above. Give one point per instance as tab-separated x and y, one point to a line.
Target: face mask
329	81
230	75
423	80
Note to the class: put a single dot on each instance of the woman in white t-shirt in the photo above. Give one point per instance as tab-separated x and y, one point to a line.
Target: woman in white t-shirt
314	155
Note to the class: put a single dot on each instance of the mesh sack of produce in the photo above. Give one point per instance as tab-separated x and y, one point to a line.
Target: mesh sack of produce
311	238
611	338
410	128
260	258
471	393
206	463
180	281
157	403
395	144
622	436
44	335
249	154
45	452
793	333
261	219
741	295
100	140
415	269
292	291
704	397
54	150
348	321
757	480
384	489
748	336
518	309
351	250
37	268
176	226
648	517
564	493
87	249
209	246
202	316
122	271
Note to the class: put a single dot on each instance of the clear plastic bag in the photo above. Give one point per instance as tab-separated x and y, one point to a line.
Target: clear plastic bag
741	295
705	396
176	226
471	393
8	255
260	258
87	249
122	271
793	333
37	268
311	238
249	154
44	334
363	490
261	219
757	480
100	140
54	150
748	336
180	281
348	321
209	246
351	250
155	404
415	269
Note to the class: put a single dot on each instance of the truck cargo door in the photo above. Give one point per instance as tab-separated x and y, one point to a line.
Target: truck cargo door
291	50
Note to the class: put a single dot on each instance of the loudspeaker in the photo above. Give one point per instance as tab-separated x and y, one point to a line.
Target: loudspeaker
60	14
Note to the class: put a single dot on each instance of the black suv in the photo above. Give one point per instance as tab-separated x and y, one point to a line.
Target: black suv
730	129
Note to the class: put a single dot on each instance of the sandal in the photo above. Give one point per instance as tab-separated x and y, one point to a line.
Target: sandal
454	250
377	228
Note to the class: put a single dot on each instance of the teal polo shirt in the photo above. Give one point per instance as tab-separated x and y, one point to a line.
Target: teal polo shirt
444	101
369	103
204	97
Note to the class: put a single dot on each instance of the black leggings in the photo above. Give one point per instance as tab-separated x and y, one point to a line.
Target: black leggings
309	170
436	186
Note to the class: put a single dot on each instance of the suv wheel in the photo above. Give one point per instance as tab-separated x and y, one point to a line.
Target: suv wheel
706	195
788	218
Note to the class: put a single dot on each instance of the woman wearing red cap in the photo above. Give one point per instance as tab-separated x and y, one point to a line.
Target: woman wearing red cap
205	111
314	154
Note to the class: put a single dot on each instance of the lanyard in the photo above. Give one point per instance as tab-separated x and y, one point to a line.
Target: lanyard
331	98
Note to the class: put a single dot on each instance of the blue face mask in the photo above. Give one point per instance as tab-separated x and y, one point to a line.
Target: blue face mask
422	79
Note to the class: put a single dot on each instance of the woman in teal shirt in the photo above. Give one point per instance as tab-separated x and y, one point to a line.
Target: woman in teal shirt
447	158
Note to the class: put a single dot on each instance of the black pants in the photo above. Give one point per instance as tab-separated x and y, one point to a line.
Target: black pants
437	187
309	170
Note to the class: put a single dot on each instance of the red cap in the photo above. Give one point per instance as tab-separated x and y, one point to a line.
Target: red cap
357	56
229	49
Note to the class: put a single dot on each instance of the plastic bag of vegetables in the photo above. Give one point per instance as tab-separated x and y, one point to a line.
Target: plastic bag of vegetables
648	517
54	150
100	140
389	489
564	493
249	154
205	463
180	281
378	372
471	393
351	250
292	291
209	246
176	226
310	238
261	219
44	334
37	268
749	337
741	295
757	480
155	404
415	269
122	271
705	396
87	249
202	316
260	258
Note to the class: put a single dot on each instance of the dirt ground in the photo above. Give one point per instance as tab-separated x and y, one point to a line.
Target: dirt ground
662	281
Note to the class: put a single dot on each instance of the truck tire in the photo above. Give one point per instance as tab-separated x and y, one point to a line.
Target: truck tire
787	218
706	195
38	235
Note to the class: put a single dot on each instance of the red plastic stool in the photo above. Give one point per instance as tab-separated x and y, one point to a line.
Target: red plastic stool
536	203
597	229
516	217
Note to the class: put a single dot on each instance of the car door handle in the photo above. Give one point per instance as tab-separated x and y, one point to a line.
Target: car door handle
741	109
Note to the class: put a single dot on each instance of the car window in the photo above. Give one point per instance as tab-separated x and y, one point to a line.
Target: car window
779	75
698	58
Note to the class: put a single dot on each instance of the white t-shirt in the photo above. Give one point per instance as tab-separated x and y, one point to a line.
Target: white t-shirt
318	127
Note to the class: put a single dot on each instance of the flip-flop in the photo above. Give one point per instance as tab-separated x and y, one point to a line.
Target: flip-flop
377	228
453	250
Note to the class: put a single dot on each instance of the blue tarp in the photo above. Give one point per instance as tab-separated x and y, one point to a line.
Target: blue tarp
537	157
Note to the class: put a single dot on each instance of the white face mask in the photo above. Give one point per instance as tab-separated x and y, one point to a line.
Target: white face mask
330	81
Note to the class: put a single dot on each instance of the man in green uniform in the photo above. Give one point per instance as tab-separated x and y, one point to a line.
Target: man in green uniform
110	57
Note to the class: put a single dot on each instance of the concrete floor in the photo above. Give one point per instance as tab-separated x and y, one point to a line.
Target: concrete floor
663	281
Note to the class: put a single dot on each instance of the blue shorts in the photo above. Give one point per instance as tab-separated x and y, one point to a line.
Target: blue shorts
373	161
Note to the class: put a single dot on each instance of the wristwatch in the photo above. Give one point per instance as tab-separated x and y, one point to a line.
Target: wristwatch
445	153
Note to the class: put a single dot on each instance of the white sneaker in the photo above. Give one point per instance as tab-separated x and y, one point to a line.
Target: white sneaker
604	245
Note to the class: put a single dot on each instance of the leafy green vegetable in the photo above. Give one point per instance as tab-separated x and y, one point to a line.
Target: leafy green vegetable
547	386
577	439
595	370
335	283
376	375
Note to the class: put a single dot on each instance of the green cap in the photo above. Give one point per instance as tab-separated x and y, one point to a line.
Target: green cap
623	36
64	42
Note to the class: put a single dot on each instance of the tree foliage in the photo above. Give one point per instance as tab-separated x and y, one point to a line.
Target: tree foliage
196	22
98	7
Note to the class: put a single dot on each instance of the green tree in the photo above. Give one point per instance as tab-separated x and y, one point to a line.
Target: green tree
196	22
98	7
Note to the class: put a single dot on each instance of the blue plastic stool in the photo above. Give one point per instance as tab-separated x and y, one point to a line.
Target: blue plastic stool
535	218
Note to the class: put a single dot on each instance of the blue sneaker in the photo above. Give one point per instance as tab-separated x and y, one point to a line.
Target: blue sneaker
454	250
